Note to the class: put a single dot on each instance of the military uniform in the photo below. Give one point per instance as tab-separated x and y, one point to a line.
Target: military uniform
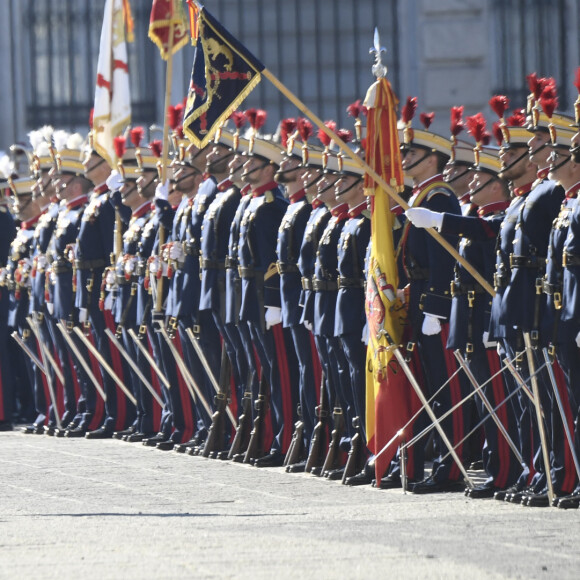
325	288
260	289
91	255
290	236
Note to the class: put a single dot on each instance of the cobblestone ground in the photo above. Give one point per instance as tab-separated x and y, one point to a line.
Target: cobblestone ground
108	509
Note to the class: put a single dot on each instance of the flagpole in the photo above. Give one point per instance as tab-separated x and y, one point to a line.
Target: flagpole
374	175
168	81
165	157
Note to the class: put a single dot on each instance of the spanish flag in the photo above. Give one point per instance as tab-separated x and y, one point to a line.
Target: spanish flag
390	400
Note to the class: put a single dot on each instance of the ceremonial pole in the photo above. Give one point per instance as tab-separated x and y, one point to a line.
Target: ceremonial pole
165	158
375	176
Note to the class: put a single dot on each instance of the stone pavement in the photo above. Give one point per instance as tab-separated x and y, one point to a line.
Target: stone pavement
109	509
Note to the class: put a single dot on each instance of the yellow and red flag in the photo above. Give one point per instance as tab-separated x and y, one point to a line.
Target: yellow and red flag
165	15
390	401
112	105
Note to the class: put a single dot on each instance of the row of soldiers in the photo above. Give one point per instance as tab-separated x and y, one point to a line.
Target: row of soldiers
221	311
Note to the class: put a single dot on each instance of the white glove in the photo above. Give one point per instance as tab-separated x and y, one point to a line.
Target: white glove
308	325
431	325
50	308
162	191
41	263
488	343
83	315
176	252
273	316
365	334
108	305
424	218
578	339
114	181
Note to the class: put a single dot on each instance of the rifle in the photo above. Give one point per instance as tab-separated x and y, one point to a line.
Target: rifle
255	448
355	461
244	428
333	458
296	449
216	437
316	456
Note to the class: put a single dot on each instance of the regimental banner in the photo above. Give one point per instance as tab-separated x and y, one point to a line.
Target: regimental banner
164	15
224	73
112	106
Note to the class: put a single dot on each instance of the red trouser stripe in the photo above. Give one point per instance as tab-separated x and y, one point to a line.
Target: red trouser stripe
456	396
156	409
284	385
499	395
117	365
99	403
569	481
185	396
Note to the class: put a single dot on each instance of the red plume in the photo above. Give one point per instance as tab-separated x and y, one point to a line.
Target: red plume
92	114
517	118
363	143
457	124
239	119
476	126
355	109
173	117
577	79
426	119
534	86
137	134
486	138
548	86
323	137
549	105
497	133
119	146
409	109
287	127
345	135
156	148
499	105
257	118
305	129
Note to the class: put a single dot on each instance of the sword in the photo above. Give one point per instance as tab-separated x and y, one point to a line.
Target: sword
28	352
209	372
43	354
487	405
53	363
149	358
449	411
519	379
135	367
404	365
189	380
480	423
561	409
400	432
93	349
538	408
81	360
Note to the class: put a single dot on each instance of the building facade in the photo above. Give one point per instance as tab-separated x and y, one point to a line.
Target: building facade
445	52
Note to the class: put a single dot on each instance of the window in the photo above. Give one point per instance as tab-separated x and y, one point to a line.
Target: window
531	36
62	46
